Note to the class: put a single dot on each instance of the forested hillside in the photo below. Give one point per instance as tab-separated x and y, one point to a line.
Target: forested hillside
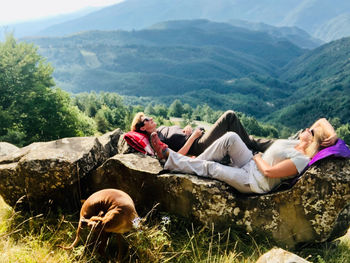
32	109
323	78
199	61
234	67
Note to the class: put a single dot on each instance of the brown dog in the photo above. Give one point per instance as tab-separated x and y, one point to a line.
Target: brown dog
112	210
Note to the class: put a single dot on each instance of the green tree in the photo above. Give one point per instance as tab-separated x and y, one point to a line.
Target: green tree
197	113
31	109
114	111
336	123
344	133
176	109
187	109
149	110
137	108
161	110
101	119
208	114
91	109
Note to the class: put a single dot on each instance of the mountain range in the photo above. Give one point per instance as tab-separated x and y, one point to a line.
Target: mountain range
323	78
179	51
199	61
317	17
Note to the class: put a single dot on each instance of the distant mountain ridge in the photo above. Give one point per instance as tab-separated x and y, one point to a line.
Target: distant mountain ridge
309	15
172	59
204	62
295	35
323	78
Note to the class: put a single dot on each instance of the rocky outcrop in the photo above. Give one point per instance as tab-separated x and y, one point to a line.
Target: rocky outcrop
314	210
46	172
62	172
7	148
277	255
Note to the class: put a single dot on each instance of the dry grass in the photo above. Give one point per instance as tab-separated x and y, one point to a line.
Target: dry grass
26	238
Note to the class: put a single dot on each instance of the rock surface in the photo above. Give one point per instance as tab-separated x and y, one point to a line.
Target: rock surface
7	148
62	172
314	210
278	255
47	172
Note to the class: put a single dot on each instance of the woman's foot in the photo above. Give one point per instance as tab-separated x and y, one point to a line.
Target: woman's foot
159	147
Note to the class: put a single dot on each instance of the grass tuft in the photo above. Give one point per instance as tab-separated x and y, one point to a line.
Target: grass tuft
159	238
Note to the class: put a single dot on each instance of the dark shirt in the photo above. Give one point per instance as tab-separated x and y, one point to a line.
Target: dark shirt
172	136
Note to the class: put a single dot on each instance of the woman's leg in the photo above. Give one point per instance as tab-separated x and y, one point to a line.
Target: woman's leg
228	122
229	144
236	177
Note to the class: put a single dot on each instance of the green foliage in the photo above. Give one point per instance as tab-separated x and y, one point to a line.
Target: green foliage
253	127
176	109
323	78
107	109
149	110
187	120
103	125
30	109
218	65
161	110
180	57
344	132
336	122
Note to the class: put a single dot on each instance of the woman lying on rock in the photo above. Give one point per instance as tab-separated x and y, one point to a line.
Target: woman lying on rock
247	173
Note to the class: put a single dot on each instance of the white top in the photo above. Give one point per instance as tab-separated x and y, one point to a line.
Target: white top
277	152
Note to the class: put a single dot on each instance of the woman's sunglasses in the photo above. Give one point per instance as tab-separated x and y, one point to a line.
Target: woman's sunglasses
311	131
142	123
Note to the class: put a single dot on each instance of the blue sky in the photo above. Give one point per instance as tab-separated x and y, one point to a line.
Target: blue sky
13	11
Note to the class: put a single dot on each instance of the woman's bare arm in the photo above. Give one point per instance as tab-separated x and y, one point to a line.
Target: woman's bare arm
282	169
196	134
328	129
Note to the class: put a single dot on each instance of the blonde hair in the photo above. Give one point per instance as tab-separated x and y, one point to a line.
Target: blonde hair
136	122
315	145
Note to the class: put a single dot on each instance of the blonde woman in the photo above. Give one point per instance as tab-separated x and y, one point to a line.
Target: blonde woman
247	173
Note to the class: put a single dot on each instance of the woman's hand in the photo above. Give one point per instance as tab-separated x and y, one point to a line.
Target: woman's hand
257	155
331	140
187	130
284	168
197	133
329	131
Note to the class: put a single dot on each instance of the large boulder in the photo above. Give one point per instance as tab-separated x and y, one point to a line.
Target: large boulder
46	172
316	209
7	148
277	255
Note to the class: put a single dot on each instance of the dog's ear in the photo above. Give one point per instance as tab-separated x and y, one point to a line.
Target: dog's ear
82	201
